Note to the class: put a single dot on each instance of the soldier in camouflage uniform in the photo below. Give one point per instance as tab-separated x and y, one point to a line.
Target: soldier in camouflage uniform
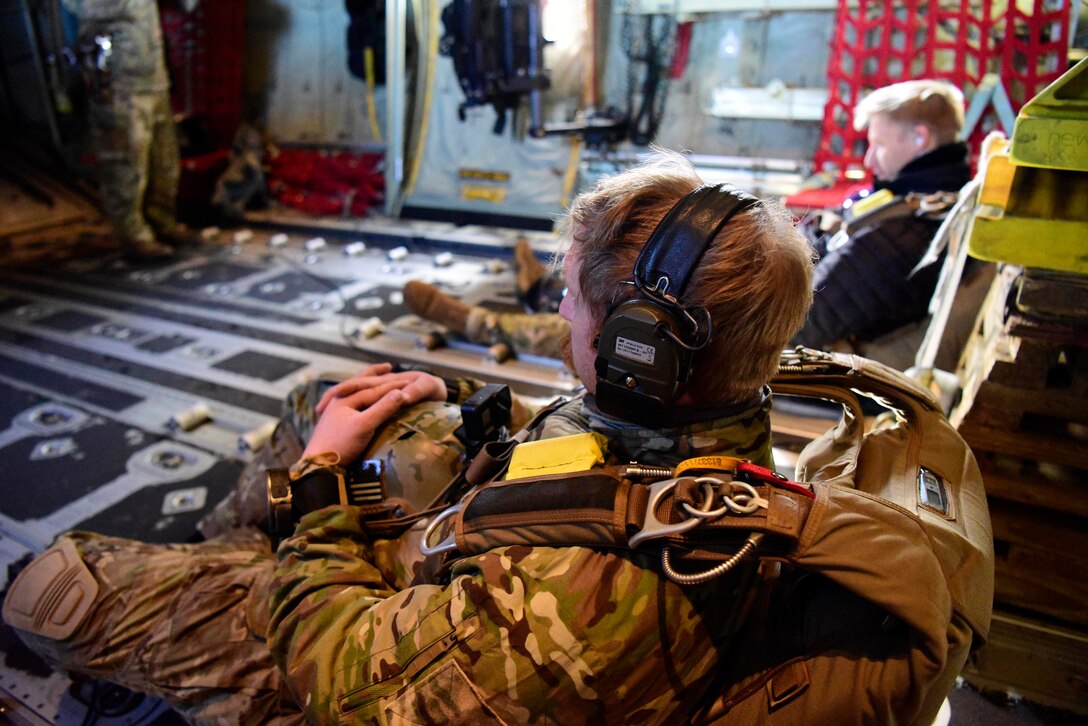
539	331
524	333
529	334
138	164
517	635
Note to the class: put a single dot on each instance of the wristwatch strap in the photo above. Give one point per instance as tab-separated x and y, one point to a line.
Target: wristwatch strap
289	500
318	489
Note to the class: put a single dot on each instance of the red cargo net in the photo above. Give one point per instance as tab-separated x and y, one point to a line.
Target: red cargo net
877	43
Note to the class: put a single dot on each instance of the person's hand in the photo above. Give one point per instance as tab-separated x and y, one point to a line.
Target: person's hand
351	411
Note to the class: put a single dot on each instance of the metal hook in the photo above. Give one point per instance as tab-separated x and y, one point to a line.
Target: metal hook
447	544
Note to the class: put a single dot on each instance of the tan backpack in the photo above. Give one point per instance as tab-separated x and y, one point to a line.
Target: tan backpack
900	520
887	546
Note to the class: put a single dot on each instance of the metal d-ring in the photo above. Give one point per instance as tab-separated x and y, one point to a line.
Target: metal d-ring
709	491
746	502
447	544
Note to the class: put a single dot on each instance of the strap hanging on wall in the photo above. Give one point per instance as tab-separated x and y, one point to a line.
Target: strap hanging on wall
649	52
366	37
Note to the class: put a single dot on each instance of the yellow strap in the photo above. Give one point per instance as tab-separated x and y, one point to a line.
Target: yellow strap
371	107
717	463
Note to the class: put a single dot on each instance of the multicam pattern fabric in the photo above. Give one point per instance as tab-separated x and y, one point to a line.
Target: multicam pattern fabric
561	635
539	334
132	120
136	63
185	623
522	635
745	433
418	450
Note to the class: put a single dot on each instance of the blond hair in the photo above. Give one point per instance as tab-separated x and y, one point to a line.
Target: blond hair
755	278
938	105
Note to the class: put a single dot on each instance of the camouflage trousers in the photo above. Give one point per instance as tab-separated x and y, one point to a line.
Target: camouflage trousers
184	623
188	623
138	164
539	334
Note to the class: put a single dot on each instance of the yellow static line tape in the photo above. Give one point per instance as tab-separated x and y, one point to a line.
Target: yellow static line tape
717	463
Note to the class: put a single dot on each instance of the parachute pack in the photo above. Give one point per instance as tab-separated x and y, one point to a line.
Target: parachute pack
894	518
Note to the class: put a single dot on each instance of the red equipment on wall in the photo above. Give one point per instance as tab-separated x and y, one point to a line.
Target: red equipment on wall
328	183
204	53
880	42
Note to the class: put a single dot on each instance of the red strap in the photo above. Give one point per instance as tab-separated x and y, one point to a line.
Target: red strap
749	472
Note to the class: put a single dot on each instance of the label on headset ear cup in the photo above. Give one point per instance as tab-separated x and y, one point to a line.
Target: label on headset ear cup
635	350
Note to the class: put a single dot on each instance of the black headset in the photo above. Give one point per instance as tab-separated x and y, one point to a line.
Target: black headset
646	344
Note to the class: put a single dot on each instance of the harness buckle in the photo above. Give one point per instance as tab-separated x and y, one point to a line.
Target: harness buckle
741	498
652	527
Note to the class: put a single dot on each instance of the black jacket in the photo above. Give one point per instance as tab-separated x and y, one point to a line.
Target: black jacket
863	288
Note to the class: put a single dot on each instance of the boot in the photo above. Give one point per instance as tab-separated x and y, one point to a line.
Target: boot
430	303
178	235
146	250
529	269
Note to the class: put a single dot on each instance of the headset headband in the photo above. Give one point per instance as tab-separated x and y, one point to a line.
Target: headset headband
680	238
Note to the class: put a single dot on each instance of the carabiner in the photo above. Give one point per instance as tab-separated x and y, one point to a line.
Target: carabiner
445	545
746	501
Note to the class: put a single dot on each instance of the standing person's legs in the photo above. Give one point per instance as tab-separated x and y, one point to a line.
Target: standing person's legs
185	623
164	168
122	129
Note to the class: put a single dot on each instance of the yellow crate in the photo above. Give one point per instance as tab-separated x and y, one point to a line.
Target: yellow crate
1052	128
1033	214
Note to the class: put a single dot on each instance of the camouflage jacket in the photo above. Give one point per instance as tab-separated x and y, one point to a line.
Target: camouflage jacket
518	635
136	61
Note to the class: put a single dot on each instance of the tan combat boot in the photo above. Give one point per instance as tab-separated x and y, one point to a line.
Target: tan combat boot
529	269
430	303
178	235
145	250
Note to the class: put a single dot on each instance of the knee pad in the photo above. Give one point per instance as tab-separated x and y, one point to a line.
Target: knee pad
53	595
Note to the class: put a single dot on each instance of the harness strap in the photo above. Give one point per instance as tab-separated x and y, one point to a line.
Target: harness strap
605	508
931	206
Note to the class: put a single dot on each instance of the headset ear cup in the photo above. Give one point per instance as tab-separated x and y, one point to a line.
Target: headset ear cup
645	347
640	367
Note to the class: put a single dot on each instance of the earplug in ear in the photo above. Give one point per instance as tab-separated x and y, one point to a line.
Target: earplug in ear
919	139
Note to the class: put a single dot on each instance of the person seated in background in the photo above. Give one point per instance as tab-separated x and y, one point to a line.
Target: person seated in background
343	624
537	331
866	282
